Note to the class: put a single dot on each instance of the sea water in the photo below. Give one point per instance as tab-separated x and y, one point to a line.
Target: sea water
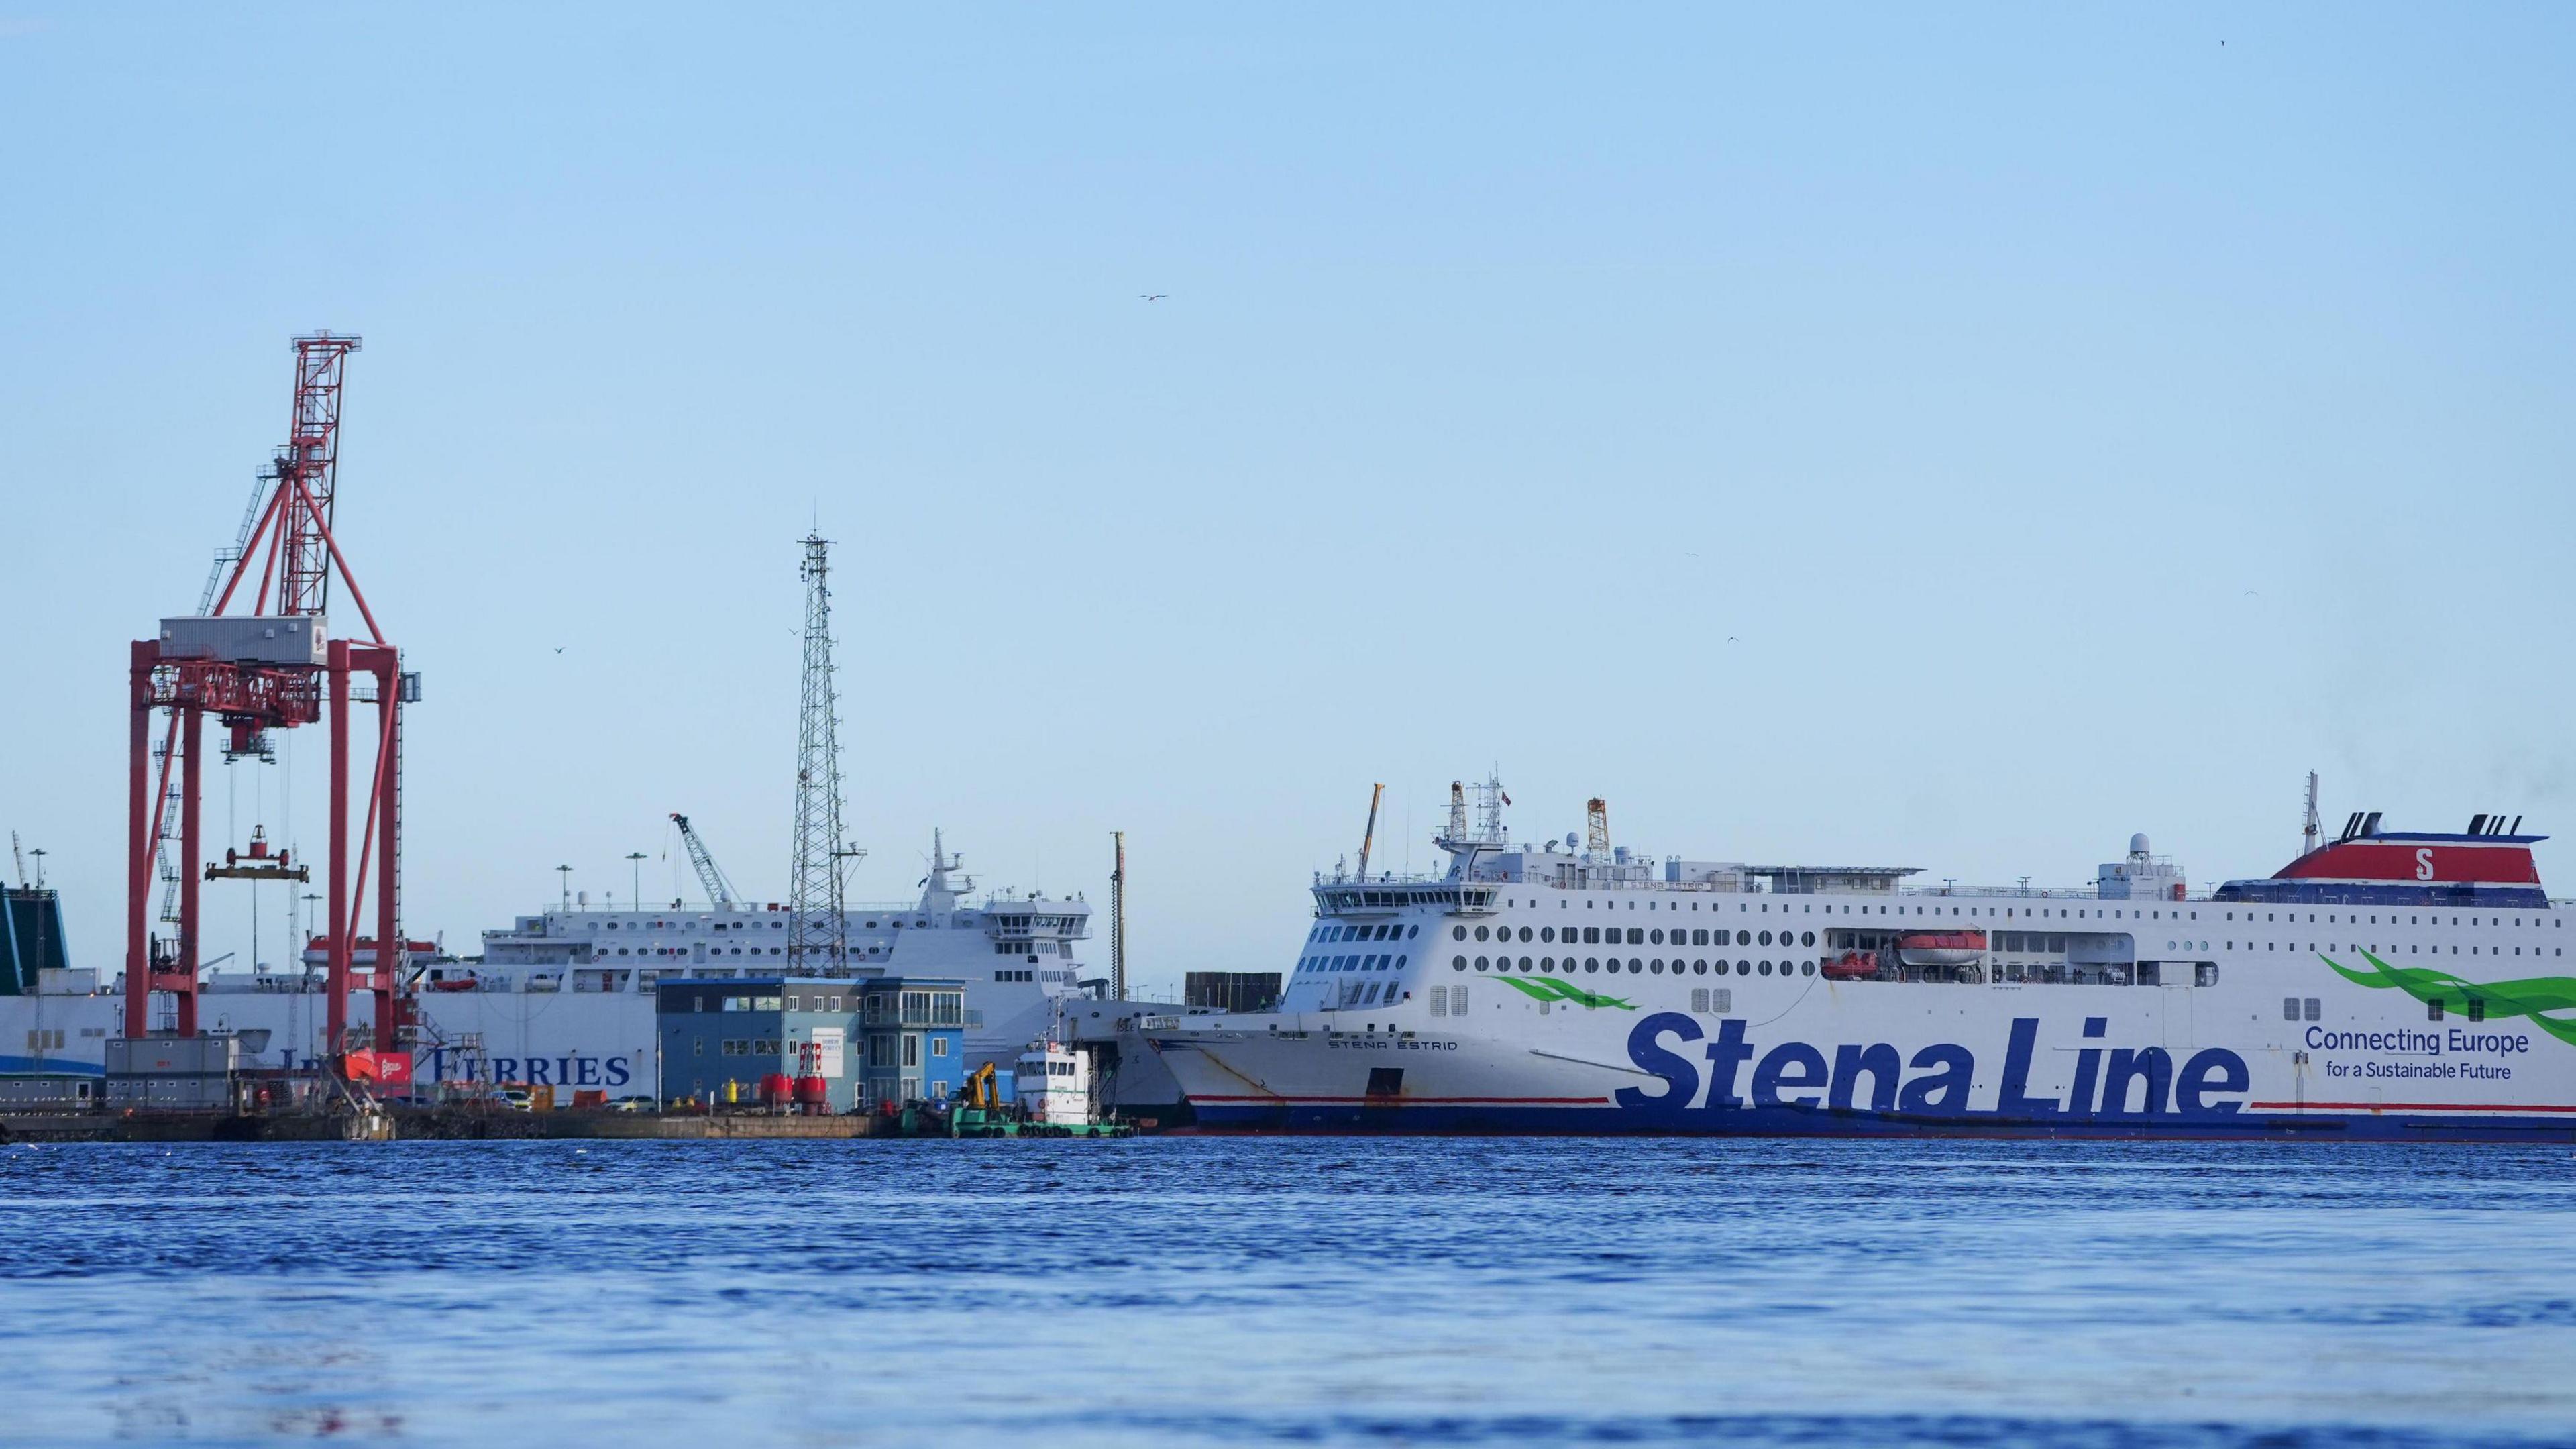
1305	1291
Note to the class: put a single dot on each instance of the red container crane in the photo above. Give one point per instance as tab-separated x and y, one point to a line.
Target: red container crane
267	667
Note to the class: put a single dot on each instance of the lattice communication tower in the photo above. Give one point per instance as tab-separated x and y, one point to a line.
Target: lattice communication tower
818	937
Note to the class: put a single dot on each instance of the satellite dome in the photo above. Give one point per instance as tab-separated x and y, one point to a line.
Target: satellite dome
2138	843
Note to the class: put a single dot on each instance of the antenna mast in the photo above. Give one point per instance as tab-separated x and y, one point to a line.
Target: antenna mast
1118	917
818	938
2314	830
1596	827
1490	800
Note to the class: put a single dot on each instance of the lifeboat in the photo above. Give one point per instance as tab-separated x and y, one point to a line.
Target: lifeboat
1850	966
1941	948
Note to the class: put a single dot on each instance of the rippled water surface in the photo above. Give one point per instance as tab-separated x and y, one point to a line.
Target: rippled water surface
1309	1291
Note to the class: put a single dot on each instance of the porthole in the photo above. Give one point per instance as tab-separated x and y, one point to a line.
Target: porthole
1807	938
1547	933
1764	968
1547	963
1525	933
1657	937
1412	931
1766	938
1459	932
1457	963
1656	966
1807	968
1636	967
1481	963
1591	963
1480	933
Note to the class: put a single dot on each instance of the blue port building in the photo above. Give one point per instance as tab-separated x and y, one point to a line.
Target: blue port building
874	1041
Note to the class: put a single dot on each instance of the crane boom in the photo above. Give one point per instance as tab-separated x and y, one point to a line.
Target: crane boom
1368	837
710	874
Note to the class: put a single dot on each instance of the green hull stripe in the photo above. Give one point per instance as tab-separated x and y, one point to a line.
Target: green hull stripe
2500	1000
1548	988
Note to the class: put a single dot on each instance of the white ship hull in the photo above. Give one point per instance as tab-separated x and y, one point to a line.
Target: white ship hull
1809	1056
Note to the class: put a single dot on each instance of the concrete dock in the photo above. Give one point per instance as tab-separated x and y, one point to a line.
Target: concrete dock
432	1125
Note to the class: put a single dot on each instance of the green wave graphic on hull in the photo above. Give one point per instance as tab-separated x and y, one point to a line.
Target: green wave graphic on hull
2529	997
1548	988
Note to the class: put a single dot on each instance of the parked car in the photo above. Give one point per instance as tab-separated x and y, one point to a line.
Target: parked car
517	1099
633	1104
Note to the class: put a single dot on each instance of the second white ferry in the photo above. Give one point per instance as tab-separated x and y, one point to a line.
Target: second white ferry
2384	984
564	998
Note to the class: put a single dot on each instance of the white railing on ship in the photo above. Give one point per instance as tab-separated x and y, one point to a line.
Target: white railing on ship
1073	904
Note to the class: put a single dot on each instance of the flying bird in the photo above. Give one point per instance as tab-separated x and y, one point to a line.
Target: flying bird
1153	296
559	649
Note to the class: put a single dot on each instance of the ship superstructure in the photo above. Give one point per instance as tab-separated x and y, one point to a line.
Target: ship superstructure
1015	952
2385	983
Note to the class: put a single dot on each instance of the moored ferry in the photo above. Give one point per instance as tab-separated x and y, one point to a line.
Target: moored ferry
564	998
2384	984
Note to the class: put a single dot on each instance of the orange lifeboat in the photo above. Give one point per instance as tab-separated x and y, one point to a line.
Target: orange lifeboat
1851	966
1941	948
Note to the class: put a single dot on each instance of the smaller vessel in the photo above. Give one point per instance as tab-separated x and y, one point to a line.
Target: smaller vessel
1053	1084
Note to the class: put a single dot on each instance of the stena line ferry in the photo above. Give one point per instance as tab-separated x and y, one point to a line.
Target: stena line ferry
2385	984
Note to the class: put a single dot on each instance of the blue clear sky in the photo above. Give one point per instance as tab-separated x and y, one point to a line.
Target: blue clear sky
2086	420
